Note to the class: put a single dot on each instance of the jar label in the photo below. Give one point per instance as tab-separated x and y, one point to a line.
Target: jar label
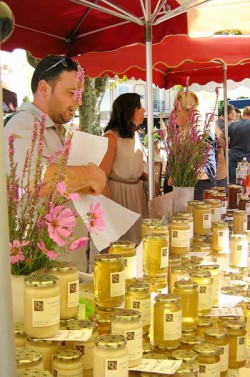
180	238
248	265
164	257
216	214
241	353
73	293
224	205
205	297
87	353
223	351
144	307
191	229
117	284
116	367
223	239
222	260
209	370
216	288
248	209
130	267
65	373
245	224
172	325
239	254
239	195
134	343
207	220
45	311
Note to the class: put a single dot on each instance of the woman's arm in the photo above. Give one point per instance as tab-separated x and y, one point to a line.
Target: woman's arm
108	160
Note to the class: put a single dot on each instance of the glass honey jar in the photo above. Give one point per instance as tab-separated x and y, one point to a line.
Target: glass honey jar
216	209
138	298
153	226
165	350
214	270
188	341
167	320
177	273
127	322
110	356
155	254
202	219
244	204
45	347
220	236
224	201
109	280
238	256
191	204
208	359
67	362
179	236
127	250
85	347
28	359
221	258
239	222
208	194
234	195
204	281
219	338
237	343
187	290
188	357
189	216
204	324
20	335
41	306
68	282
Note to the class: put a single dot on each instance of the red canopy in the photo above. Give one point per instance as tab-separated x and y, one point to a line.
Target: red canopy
175	58
65	27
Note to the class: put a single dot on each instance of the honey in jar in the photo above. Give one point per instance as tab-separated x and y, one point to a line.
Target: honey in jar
216	209
220	237
208	359
179	236
187	290
204	281
239	222
191	204
127	250
202	219
219	338
155	254
238	251
234	195
153	226
237	343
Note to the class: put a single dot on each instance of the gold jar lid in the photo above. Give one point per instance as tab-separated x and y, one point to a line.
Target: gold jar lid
40	280
189	339
147	347
159	236
78	324
220	195
19	329
167	298
245	198
127	314
204	322
25	356
239	213
194	202
185	355
122	244
110	341
209	266
186	284
62	267
198	239
179	220
109	258
174	259
226	318
154	355
201	248
100	319
220	224
181	268
184	369
166	348
212	202
42	341
67	354
216	333
200	274
205	349
219	188
64	322
138	286
234	324
184	214
230	290
35	372
152	221
238	237
234	187
203	206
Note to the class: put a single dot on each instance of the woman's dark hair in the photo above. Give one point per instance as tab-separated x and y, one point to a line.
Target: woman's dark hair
123	111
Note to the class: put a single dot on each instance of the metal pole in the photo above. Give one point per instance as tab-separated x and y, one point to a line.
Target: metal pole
150	123
7	354
226	116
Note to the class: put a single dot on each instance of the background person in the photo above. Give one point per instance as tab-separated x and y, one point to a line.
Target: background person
124	160
239	136
53	84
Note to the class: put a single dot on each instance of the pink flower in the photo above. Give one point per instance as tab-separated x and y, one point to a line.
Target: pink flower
16	254
61	188
95	221
60	222
76	244
51	254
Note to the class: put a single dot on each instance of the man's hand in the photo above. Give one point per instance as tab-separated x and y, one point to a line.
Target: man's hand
97	179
